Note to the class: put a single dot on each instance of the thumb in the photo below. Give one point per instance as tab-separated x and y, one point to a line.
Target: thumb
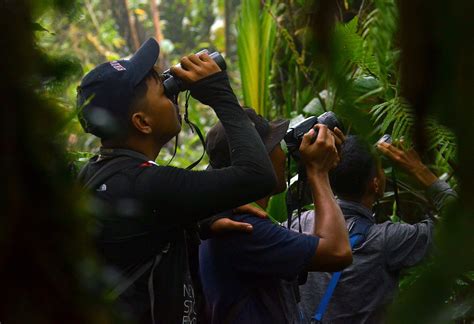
308	138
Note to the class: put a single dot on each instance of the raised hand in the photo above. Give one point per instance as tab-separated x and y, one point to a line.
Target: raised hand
410	161
320	154
195	67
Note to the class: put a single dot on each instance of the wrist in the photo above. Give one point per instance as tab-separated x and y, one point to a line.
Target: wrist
424	176
315	169
317	175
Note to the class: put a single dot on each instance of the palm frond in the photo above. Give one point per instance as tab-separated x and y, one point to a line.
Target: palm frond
256	36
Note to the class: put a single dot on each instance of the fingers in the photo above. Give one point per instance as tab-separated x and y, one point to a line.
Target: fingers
339	136
195	67
259	213
308	138
394	154
205	57
224	225
231	225
320	155
180	72
389	149
323	133
249	209
195	60
323	138
385	149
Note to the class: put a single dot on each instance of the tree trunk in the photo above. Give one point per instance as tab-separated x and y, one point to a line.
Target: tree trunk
155	14
133	27
123	18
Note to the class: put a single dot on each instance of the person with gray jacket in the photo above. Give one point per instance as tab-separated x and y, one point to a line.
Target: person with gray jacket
367	286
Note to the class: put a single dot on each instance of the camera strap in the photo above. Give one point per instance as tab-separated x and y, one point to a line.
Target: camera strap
195	129
176	139
291	203
395	193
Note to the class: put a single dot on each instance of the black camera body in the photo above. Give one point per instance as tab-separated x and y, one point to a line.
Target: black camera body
173	85
295	134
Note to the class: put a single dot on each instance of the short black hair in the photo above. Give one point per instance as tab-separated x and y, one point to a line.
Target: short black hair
141	89
357	167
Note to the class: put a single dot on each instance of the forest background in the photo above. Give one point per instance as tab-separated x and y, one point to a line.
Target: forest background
382	66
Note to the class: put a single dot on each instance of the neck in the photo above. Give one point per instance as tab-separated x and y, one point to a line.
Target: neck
263	202
366	201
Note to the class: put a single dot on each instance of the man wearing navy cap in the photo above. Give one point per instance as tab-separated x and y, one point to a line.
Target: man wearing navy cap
146	209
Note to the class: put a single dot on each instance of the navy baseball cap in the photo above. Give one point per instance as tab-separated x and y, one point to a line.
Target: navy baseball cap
217	146
105	94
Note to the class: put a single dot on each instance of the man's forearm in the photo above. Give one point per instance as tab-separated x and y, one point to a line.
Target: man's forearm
330	222
333	252
424	175
245	146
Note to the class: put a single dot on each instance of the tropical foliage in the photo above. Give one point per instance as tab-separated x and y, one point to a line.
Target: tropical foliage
383	66
255	39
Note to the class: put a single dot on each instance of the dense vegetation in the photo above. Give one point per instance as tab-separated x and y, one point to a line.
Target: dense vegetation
383	66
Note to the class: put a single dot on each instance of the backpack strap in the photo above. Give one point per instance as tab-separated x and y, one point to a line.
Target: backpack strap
106	171
357	234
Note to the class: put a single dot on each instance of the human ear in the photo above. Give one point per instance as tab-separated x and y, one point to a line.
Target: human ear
374	186
141	123
377	186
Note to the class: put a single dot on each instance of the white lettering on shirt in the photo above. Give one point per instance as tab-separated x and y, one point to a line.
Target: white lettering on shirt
189	316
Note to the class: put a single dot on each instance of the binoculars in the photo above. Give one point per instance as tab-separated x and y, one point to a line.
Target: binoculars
173	85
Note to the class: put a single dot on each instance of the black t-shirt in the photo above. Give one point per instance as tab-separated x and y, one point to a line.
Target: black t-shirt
147	206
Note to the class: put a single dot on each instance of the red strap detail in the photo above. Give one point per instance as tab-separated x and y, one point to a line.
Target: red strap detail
145	164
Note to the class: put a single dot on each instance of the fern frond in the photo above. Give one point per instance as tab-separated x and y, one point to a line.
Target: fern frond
443	141
395	117
378	31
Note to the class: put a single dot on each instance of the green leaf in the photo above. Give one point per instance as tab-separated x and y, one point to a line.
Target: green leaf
38	27
256	36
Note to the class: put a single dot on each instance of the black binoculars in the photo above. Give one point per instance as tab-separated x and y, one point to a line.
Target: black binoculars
173	85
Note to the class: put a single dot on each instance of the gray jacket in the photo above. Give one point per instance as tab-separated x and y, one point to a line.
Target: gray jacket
370	283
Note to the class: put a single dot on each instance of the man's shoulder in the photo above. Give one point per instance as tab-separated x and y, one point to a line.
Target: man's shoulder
252	219
263	228
265	232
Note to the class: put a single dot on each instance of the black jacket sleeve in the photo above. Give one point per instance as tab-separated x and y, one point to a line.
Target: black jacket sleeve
192	195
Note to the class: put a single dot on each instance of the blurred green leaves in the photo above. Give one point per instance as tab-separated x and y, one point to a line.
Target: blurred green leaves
256	36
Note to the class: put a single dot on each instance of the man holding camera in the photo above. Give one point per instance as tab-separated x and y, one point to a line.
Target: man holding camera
145	210
249	278
367	286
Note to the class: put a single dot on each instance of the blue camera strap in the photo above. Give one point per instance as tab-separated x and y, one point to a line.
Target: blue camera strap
357	234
